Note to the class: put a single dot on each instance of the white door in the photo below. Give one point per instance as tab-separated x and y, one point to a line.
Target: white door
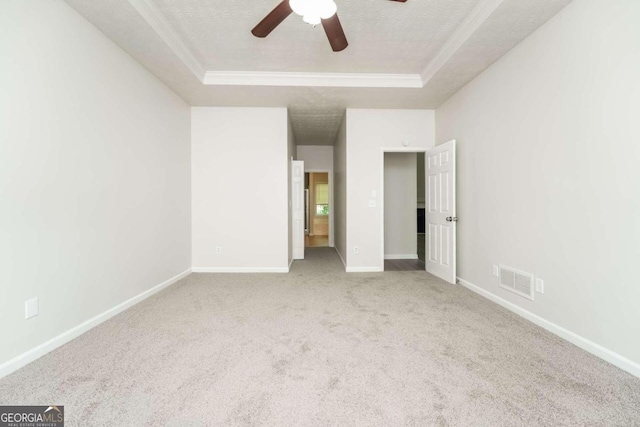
440	182
297	208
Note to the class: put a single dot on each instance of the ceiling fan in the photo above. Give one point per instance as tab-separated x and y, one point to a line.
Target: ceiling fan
313	12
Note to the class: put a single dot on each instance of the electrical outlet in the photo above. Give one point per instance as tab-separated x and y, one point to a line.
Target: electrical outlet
372	203
356	250
218	250
496	271
539	286
31	308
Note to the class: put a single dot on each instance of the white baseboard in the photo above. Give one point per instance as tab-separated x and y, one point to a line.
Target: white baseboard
357	269
597	350
400	256
364	269
240	269
290	264
44	348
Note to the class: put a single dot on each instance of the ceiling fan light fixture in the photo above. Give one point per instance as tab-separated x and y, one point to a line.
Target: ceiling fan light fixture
311	19
328	9
313	10
298	6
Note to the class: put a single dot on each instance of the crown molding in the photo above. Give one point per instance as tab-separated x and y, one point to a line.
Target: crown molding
151	14
268	78
154	18
467	27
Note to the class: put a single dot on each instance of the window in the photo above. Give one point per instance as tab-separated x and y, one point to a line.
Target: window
322	199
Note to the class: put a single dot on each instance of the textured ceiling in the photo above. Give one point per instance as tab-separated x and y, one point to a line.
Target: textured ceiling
309	122
384	37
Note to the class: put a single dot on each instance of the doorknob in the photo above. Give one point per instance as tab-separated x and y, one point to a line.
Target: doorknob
452	218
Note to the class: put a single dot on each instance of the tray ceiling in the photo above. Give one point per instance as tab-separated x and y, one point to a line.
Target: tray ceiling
400	55
384	36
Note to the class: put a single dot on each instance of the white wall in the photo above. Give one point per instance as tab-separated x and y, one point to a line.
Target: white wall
400	206
240	189
316	157
548	177
291	150
340	191
368	132
94	175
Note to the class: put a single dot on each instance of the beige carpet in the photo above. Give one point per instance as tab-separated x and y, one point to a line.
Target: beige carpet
319	347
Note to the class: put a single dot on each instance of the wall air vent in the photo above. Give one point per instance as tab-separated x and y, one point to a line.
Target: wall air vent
517	282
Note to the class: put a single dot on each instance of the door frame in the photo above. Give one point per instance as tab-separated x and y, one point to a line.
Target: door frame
329	173
384	150
295	250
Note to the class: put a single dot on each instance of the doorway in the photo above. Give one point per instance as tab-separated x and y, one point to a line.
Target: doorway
404	198
440	208
318	209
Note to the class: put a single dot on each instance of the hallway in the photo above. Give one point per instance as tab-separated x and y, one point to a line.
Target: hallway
316	241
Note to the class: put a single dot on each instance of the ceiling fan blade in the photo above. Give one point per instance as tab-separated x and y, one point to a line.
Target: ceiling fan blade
272	20
335	33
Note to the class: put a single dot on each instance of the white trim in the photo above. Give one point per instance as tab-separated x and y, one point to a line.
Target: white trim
597	350
381	198
154	18
463	32
276	78
400	256
50	345
340	256
331	236
404	150
471	23
240	269
364	269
